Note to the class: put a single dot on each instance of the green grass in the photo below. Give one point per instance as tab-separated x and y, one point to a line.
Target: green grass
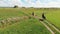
6	13
25	26
52	14
54	17
29	26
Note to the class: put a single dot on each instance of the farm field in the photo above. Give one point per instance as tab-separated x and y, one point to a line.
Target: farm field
52	14
29	25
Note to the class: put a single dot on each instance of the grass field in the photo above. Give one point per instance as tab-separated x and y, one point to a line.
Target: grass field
28	26
52	14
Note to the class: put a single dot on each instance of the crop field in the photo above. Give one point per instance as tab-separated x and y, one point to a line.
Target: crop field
20	21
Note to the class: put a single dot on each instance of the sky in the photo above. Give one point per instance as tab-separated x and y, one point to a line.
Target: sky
30	3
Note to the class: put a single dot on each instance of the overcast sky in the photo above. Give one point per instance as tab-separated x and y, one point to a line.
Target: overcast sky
30	3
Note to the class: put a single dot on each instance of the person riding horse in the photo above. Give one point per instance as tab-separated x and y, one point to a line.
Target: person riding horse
43	16
32	13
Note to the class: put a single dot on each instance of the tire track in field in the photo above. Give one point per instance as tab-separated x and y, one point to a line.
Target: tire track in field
46	24
42	23
49	23
52	32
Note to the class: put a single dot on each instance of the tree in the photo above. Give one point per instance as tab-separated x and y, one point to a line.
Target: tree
15	6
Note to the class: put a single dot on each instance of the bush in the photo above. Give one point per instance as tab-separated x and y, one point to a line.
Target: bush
15	6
